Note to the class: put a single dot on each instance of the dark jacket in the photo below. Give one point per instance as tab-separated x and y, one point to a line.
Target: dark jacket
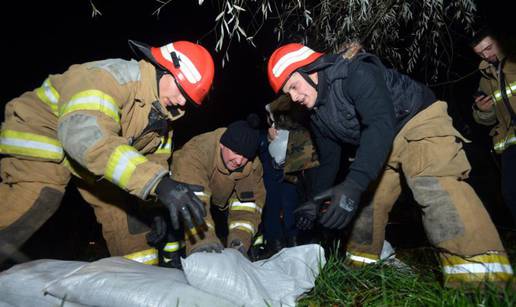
361	102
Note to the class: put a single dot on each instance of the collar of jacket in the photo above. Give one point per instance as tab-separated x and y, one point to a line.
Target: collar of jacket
147	91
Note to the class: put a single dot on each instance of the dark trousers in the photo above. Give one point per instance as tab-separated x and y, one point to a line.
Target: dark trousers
508	160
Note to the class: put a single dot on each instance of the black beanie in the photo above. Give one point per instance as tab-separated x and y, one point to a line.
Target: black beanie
242	136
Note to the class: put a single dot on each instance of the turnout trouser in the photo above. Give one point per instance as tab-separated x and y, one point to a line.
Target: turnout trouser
429	154
31	191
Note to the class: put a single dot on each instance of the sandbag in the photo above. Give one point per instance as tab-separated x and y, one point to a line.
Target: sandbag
117	281
277	281
24	284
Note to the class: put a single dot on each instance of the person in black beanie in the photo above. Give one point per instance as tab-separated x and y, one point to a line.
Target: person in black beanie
223	164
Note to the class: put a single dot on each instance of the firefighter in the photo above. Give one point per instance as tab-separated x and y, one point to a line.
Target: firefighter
495	104
108	123
400	130
224	163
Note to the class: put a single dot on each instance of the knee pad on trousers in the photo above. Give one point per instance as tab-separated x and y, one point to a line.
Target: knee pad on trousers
13	236
440	217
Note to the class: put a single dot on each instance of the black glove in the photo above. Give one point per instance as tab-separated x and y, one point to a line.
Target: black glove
345	198
239	246
214	247
307	213
180	200
158	232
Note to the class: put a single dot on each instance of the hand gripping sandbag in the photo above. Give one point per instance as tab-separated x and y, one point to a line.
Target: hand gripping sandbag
117	281
277	281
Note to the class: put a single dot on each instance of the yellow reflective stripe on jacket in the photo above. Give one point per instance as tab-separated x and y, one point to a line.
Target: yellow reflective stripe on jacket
29	144
362	258
173	246
493	267
245	206
242	225
93	100
165	148
509	89
122	163
148	256
509	140
49	95
190	233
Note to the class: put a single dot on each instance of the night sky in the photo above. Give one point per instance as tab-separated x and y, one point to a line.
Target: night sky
46	37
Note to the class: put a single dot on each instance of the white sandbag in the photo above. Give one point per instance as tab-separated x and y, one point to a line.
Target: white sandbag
121	282
277	281
23	284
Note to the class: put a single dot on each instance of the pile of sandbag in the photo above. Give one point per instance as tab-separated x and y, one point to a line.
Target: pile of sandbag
209	279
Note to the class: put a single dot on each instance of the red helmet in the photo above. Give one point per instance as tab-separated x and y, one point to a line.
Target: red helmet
190	64
287	59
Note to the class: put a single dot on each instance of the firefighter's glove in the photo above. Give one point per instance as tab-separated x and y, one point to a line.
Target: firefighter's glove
158	232
345	198
239	246
181	202
212	247
307	213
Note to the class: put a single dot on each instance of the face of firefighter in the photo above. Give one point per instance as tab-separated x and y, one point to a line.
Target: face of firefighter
300	91
232	160
487	49
169	93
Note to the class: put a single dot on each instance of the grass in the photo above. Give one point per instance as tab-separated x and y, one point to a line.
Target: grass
385	285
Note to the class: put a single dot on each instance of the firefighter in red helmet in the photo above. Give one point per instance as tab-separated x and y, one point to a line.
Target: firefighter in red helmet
106	123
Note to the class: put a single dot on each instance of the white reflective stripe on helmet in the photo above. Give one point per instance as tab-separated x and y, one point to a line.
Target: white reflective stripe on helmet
242	225
29	144
122	163
49	95
245	206
148	256
93	100
186	66
290	58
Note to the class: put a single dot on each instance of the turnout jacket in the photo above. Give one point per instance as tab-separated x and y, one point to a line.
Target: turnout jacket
241	192
361	102
490	82
100	119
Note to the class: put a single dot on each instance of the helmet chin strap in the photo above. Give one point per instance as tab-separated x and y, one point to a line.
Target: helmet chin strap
308	79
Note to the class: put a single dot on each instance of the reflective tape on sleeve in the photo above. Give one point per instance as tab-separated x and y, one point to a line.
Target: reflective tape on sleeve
29	144
122	163
148	256
165	148
49	95
173	246
92	100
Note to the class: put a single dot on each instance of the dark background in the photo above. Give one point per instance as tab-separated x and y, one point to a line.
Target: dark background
46	37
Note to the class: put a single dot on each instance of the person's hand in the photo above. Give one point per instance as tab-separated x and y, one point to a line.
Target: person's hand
484	103
345	198
212	247
307	213
272	133
158	232
181	202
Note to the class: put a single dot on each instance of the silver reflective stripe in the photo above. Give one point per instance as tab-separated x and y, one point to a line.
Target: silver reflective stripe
361	259
477	268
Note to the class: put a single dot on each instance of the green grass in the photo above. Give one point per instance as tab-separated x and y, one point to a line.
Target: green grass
384	285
